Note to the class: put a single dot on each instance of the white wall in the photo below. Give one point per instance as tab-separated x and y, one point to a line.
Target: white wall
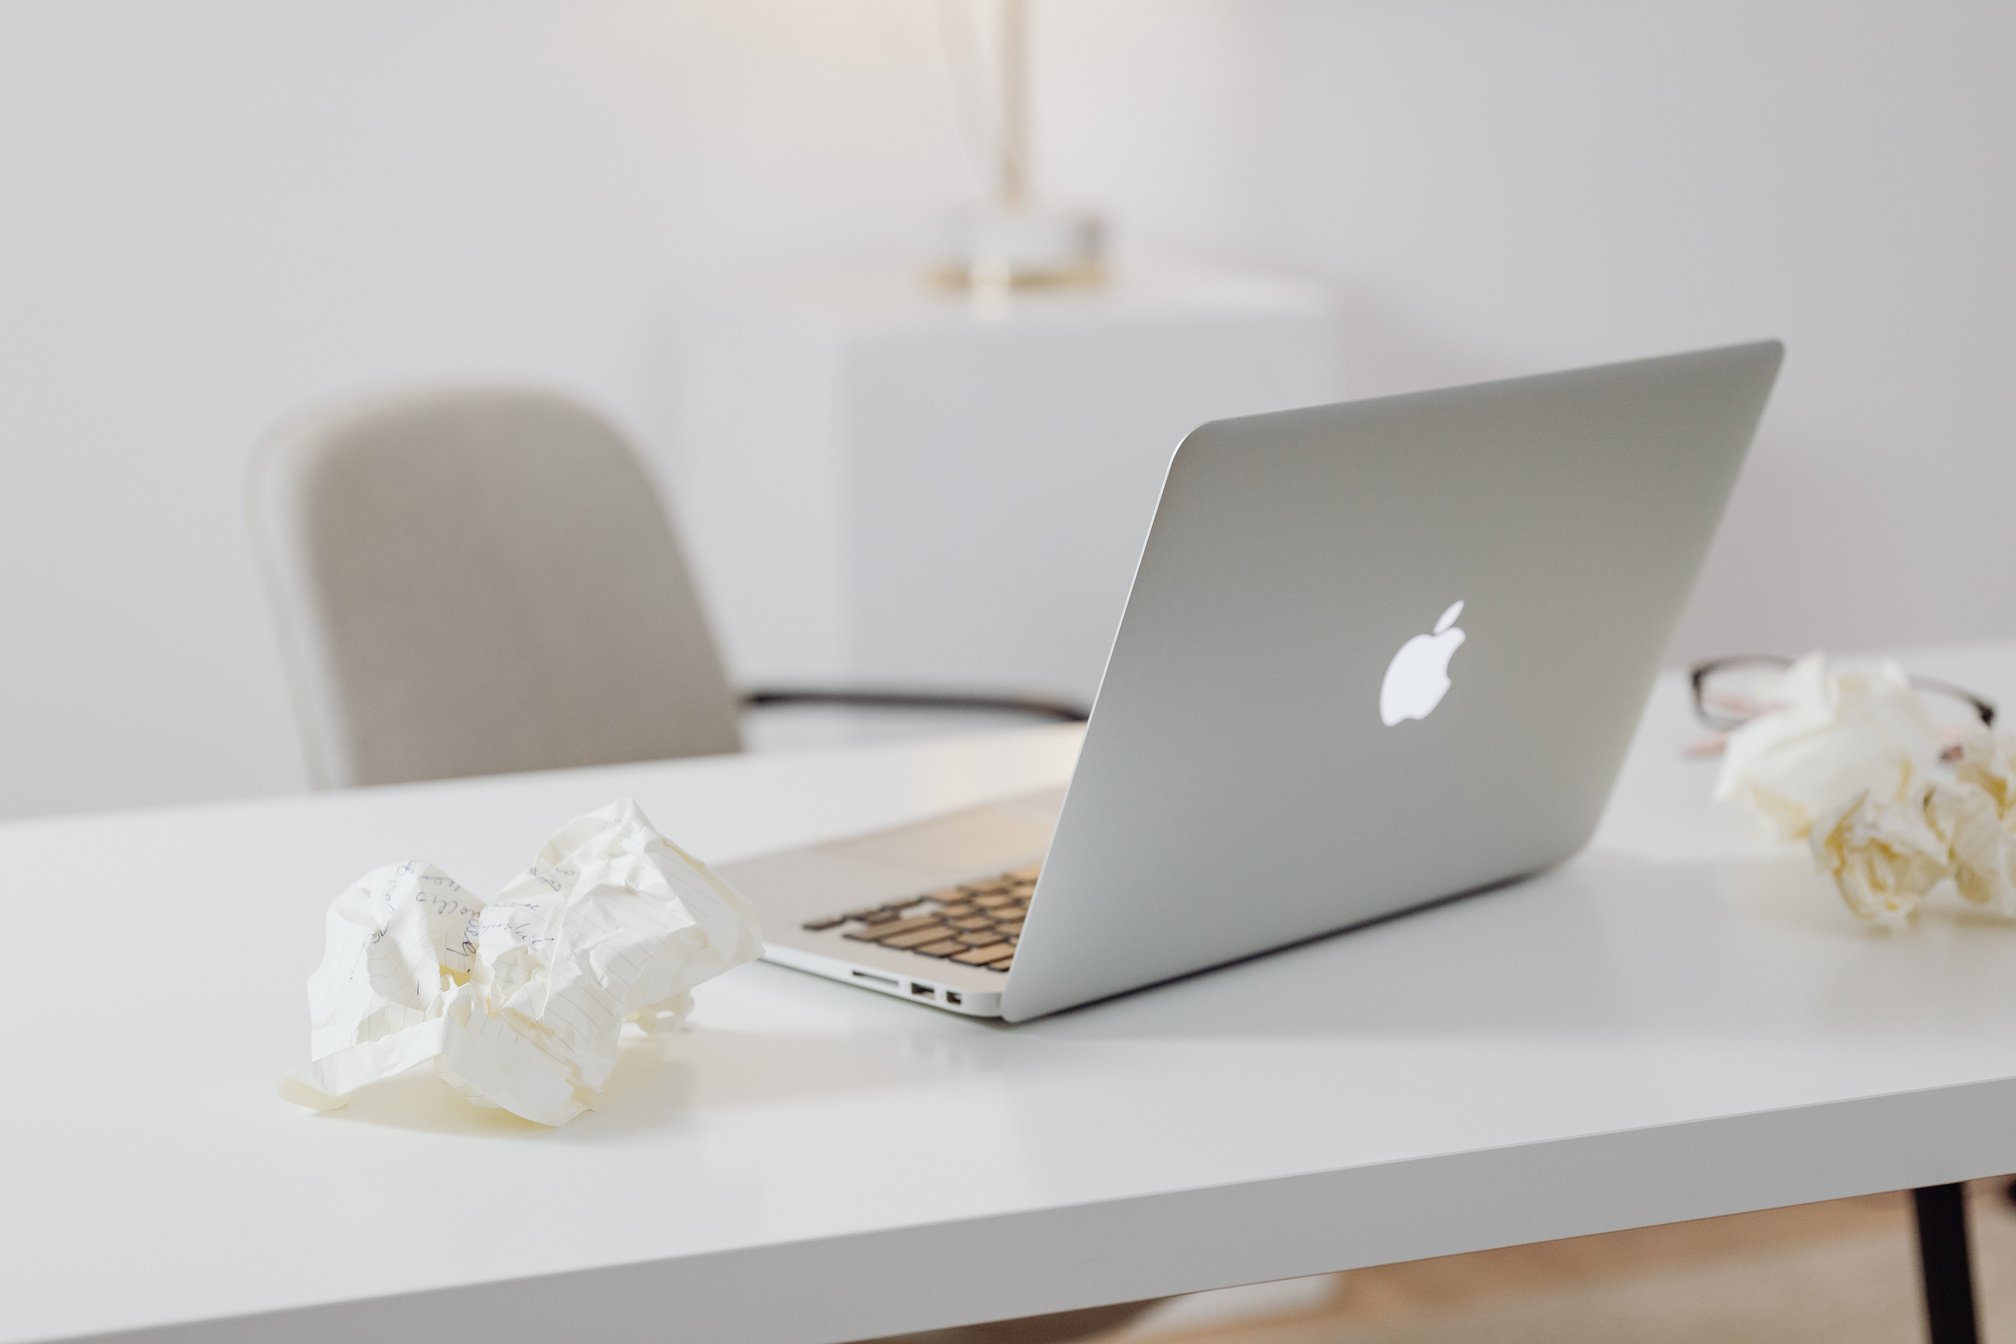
212	211
1500	188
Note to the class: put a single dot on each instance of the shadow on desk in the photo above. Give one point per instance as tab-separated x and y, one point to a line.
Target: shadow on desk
1608	945
660	1079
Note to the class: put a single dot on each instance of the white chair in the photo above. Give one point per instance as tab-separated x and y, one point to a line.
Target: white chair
478	580
475	581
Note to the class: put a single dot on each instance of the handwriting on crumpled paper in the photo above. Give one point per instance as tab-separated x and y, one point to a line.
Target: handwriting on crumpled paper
518	1002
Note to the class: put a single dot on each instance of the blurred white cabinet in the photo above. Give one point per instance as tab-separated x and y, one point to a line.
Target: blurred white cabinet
884	482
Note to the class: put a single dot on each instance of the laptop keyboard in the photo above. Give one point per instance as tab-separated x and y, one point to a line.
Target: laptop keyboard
975	923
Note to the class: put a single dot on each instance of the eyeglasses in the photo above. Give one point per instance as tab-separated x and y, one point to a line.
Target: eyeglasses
1729	692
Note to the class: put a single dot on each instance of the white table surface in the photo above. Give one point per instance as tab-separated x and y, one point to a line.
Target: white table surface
1680	1023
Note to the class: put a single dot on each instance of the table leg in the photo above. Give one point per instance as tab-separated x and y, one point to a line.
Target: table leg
1946	1264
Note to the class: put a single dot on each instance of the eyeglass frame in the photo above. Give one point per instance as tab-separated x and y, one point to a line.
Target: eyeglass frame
1697	677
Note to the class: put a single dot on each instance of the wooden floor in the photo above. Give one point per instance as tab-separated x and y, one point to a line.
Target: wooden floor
1740	1250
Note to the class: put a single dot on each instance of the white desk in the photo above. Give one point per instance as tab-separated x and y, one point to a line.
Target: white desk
1679	1024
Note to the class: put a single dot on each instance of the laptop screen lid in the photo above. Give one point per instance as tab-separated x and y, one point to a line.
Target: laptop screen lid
1377	654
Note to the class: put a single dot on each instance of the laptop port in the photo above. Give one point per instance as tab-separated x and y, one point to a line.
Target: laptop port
886	981
953	996
921	991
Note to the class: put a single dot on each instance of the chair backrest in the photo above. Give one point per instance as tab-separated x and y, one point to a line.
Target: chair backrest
479	580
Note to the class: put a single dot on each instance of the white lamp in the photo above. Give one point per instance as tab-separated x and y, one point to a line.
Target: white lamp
1008	242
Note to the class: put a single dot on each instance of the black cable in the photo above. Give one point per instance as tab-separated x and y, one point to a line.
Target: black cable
1036	706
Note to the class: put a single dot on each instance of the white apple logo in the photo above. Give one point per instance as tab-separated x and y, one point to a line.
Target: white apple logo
1418	676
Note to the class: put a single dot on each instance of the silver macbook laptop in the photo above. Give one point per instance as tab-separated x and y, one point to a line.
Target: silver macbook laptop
1376	655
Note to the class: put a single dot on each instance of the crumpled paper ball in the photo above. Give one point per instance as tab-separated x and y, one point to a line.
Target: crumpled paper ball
1841	729
1976	813
1852	764
1883	855
518	1002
